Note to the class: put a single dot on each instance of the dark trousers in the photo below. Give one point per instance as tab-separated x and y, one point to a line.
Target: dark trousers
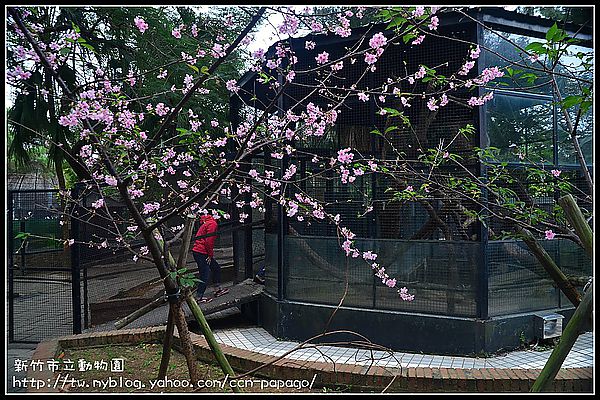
205	270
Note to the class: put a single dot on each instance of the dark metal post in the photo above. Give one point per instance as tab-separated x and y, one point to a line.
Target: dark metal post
556	250
280	252
248	246
75	265
11	248
281	268
372	226
22	266
483	265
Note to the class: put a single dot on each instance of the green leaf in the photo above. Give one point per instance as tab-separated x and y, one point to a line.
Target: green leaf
89	47
408	37
552	32
570	101
193	67
585	105
391	128
396	23
204	70
392	112
536	47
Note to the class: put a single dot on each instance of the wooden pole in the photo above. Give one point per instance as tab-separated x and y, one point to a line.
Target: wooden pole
578	222
564	346
167	343
210	339
550	266
139	312
186	242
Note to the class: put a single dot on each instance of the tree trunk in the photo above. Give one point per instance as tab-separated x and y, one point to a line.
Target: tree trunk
173	309
187	348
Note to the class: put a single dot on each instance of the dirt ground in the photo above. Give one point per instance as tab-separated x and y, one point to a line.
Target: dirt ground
140	370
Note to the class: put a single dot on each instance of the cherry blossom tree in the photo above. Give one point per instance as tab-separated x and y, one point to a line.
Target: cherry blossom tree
187	162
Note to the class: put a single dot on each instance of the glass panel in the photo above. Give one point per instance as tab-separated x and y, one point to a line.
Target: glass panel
503	52
271	263
585	130
317	272
577	61
442	275
522	128
573	63
517	281
575	263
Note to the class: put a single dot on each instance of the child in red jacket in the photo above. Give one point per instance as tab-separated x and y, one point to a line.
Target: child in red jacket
203	252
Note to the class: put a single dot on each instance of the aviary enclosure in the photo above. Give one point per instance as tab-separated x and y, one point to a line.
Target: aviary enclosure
474	292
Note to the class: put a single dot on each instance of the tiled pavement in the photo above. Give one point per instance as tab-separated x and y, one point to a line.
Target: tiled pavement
260	341
17	352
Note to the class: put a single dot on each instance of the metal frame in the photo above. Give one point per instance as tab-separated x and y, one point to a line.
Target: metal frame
499	19
75	268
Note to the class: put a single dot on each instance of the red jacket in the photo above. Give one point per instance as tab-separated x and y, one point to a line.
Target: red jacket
206	245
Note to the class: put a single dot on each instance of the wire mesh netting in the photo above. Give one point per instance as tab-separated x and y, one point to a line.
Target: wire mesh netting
442	275
39	268
519	283
433	245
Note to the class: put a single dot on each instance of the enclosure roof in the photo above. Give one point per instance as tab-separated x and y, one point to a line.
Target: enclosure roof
31	181
493	17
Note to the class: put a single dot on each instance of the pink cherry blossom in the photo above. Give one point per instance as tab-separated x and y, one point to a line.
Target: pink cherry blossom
111	181
390	282
378	40
418	40
98	203
150	207
418	12
370	58
549	234
322	58
345	156
464	70
431	104
140	24
443	100
435	21
232	86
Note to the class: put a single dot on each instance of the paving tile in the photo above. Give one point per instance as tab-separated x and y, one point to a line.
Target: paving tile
259	340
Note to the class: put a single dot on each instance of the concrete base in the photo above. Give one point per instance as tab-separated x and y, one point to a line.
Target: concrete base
411	332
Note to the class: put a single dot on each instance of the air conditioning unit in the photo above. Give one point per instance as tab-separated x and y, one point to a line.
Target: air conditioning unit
548	325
